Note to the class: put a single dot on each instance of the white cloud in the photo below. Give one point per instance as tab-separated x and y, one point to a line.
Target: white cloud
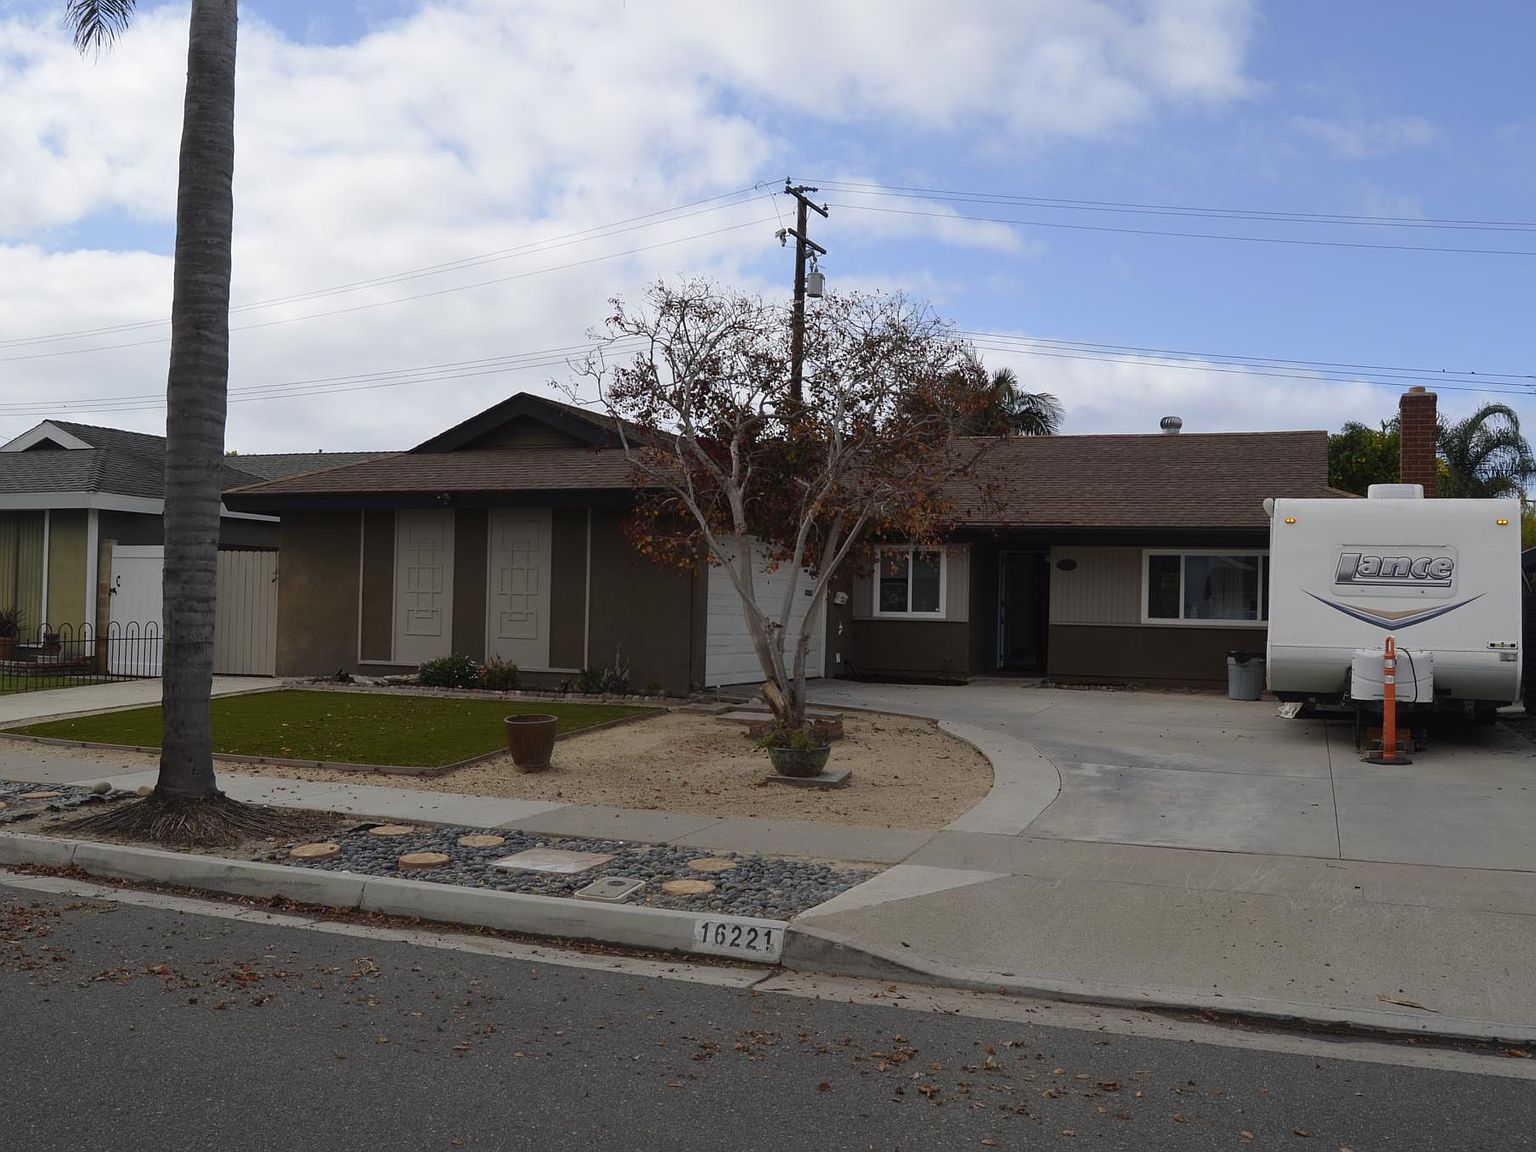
1360	138
475	126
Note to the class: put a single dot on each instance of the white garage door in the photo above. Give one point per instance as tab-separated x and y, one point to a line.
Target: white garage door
728	654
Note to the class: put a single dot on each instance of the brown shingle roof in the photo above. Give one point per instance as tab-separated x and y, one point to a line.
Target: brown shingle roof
474	470
1192	480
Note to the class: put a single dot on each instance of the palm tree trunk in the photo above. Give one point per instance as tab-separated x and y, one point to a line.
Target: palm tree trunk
195	399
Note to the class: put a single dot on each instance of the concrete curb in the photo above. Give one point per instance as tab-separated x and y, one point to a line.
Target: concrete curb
634	926
816	950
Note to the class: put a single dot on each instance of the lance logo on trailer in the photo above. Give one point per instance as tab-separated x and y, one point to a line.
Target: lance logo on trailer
1372	570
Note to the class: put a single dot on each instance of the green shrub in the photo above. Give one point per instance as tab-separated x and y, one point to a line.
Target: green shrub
449	672
497	675
600	678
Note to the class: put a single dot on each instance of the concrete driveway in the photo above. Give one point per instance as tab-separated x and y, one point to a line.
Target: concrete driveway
1204	772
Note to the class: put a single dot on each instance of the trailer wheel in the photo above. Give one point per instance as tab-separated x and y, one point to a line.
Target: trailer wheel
1484	715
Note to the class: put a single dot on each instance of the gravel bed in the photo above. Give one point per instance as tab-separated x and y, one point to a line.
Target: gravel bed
71	797
757	886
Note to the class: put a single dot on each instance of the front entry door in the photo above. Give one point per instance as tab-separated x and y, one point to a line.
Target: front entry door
1023	581
423	585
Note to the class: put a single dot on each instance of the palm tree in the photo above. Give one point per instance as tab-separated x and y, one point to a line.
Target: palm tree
187	806
1024	413
1485	455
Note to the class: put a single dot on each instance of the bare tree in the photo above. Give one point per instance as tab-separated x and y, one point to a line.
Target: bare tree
725	460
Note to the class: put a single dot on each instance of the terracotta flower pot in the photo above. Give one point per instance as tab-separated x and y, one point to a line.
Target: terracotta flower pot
798	761
531	740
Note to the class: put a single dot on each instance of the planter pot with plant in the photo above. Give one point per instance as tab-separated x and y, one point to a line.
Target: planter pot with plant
798	752
531	740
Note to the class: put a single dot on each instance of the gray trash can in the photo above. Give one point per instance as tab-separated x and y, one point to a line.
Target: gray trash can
1245	675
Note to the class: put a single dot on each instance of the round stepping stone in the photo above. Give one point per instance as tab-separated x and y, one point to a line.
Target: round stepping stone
41	795
315	851
418	860
687	887
3	805
478	840
143	790
711	864
391	830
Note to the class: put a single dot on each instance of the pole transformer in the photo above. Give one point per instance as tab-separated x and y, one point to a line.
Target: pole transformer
803	245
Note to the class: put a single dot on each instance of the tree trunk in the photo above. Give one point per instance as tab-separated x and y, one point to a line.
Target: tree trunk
195	399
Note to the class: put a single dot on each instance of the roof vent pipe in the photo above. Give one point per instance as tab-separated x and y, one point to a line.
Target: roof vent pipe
1171	425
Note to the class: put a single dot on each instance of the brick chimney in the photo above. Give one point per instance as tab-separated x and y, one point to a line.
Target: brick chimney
1416	449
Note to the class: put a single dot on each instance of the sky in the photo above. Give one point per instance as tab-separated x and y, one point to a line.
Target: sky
1249	215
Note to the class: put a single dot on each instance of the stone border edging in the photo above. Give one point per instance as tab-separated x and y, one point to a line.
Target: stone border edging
426	771
817	950
629	925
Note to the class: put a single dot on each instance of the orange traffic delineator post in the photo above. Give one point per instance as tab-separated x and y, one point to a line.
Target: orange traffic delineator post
1389	753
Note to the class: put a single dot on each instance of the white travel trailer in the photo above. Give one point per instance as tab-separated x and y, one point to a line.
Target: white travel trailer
1441	577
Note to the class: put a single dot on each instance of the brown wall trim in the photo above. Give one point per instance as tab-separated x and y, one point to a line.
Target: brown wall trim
377	619
916	648
1146	654
471	536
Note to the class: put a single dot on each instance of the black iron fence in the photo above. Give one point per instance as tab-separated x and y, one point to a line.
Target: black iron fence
69	655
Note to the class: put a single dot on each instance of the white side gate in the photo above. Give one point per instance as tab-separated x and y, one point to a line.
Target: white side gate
134	632
245	628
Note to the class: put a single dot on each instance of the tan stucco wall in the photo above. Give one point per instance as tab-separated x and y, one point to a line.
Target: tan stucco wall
649	610
568	593
318	593
471	538
378	585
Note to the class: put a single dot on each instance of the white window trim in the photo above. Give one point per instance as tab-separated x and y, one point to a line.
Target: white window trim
1181	622
943	609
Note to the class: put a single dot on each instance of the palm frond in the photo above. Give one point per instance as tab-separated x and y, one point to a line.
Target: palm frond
96	24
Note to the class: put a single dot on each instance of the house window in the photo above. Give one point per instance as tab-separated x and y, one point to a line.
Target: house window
1198	586
909	581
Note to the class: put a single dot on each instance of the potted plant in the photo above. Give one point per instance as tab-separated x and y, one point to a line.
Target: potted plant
10	629
796	752
531	740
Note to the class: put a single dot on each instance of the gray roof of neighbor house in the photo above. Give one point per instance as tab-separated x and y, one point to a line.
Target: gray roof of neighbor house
1193	480
128	463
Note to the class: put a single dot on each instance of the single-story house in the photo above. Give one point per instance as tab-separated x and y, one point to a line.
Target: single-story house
81	539
1113	559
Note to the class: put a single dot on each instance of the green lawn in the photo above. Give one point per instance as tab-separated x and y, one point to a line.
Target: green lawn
348	727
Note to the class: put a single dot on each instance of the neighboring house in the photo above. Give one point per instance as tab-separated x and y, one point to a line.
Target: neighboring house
1114	559
81	541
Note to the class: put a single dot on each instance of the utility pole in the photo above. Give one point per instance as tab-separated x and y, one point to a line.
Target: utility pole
803	243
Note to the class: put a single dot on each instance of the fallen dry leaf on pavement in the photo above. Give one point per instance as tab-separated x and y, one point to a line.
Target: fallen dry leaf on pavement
1407	1004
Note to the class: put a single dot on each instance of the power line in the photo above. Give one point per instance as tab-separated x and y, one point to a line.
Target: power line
1131	207
960	217
597	232
1497	389
407	299
323	385
1411	374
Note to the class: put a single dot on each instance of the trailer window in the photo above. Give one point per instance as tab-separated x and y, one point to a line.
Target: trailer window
1214	586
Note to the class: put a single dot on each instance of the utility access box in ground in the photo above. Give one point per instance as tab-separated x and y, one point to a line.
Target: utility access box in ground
1442	577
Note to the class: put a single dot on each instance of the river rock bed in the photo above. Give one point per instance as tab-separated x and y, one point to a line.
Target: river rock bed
765	886
20	801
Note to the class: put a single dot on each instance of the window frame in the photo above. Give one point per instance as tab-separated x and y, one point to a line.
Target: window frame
909	550
1183	622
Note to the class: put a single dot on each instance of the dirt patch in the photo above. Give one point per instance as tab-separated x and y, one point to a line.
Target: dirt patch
906	773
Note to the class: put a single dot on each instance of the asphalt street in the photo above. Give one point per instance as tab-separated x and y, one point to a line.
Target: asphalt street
128	1027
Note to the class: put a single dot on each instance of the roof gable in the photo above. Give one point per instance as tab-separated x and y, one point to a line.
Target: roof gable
526	420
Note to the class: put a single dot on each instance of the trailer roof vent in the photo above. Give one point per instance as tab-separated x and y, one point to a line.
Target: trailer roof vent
1171	425
1395	492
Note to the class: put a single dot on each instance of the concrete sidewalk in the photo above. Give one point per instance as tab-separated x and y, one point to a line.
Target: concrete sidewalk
49	703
